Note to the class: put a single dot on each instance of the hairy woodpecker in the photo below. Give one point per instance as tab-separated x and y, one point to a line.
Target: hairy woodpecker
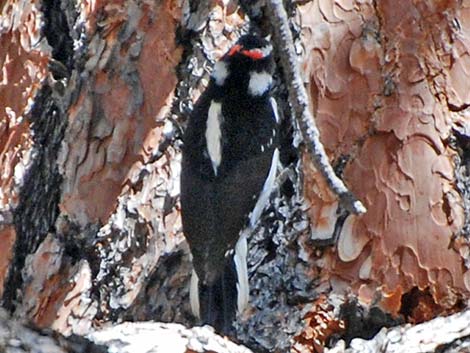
230	158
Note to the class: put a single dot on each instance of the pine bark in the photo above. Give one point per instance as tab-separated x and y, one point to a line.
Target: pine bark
94	97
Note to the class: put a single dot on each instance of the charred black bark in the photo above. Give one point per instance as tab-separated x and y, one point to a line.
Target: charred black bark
39	197
364	323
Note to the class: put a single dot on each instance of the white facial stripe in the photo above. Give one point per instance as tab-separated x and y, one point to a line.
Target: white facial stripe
214	134
266	50
259	83
220	72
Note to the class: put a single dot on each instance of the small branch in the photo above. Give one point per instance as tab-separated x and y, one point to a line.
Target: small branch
299	101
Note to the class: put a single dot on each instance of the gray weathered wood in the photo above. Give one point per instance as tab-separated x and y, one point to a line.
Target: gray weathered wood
437	335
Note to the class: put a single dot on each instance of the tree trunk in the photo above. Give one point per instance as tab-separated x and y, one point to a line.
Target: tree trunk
94	97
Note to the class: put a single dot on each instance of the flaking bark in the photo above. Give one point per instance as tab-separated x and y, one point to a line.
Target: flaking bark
90	146
302	111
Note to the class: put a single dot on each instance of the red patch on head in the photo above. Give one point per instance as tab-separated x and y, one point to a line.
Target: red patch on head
235	49
254	54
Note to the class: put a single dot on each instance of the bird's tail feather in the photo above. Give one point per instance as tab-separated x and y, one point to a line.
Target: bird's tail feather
218	300
216	304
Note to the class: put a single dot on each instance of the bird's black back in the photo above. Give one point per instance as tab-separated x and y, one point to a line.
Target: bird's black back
216	202
219	205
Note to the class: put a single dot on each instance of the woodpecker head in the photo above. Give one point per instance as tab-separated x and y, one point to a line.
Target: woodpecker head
250	49
248	65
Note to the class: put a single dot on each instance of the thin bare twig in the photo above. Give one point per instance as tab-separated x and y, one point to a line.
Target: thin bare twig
299	102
